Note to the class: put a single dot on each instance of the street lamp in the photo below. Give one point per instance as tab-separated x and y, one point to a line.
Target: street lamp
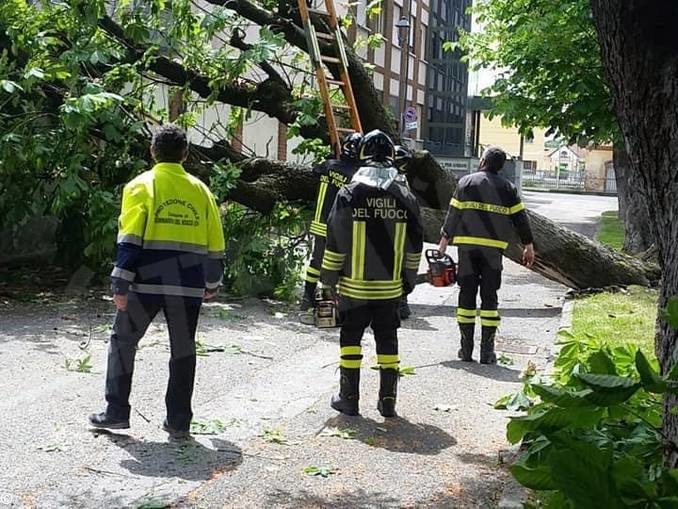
403	25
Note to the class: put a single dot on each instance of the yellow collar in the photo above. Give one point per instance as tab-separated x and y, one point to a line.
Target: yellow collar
170	167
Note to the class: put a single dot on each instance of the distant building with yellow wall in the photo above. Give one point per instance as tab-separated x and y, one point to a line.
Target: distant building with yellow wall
531	151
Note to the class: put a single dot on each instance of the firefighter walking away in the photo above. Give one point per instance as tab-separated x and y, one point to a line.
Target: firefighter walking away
334	174
374	244
482	215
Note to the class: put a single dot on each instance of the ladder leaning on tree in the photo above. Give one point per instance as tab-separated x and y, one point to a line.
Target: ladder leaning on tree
324	81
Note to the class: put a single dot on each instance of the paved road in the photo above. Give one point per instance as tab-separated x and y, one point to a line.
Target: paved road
447	449
578	212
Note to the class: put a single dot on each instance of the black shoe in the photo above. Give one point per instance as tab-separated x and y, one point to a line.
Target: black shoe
349	392
404	309
487	355
388	391
177	434
308	300
466	351
104	421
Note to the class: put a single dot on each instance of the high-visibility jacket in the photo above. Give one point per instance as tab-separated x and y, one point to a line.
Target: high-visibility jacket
170	238
334	174
484	211
374	238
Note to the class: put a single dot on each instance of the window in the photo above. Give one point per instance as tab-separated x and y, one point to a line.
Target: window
530	166
396	31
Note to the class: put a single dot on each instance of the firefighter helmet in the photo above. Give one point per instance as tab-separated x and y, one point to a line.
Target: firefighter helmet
376	147
403	156
349	147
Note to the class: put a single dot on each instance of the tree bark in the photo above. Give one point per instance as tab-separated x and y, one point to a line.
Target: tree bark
640	55
633	209
563	256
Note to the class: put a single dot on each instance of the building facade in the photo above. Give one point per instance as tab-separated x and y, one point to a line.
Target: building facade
435	91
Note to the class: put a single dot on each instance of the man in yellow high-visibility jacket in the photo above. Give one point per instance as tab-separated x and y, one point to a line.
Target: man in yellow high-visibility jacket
169	257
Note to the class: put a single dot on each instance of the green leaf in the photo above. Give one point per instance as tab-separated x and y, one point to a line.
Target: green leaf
673	374
561	397
513	402
210	427
10	86
608	383
582	474
670	313
608	390
599	362
546	420
314	470
651	380
535	478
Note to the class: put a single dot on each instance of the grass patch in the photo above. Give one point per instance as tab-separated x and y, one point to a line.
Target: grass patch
617	318
611	231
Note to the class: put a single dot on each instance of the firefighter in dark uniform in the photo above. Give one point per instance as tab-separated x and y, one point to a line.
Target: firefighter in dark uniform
374	244
334	174
483	213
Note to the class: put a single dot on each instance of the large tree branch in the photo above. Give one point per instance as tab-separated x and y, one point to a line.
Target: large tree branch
271	96
374	114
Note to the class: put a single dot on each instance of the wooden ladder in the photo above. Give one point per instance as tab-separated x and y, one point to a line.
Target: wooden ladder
324	81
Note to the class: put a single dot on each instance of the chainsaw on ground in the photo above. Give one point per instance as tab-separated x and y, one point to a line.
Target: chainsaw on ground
442	271
326	312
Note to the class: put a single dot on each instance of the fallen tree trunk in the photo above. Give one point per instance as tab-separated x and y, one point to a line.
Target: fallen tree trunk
562	255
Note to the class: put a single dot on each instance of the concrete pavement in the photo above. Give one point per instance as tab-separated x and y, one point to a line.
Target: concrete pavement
272	378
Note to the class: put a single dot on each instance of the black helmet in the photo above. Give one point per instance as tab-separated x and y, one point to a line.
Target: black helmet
349	147
376	147
403	156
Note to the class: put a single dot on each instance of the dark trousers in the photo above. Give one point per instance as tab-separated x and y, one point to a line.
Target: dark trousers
130	326
384	319
313	270
479	268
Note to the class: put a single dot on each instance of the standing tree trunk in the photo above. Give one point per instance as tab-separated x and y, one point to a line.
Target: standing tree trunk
640	54
620	162
633	209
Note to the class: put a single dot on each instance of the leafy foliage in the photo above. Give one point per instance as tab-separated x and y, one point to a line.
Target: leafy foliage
593	433
547	57
77	102
82	365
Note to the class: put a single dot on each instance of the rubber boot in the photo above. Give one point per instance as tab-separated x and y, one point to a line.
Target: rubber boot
388	391
349	392
404	308
466	351
487	355
308	299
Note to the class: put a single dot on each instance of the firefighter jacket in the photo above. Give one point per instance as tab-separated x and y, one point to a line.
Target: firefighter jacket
484	211
170	238
334	174
374	238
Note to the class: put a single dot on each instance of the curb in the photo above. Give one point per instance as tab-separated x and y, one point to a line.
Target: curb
566	315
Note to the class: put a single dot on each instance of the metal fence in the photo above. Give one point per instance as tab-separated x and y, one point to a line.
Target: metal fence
570	181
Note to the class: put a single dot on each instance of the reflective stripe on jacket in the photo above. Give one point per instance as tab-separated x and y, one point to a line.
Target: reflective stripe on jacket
374	242
334	174
484	211
170	237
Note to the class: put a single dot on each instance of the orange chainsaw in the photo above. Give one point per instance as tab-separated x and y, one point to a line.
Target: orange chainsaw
442	271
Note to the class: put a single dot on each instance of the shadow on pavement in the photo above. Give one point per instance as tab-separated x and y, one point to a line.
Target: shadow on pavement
423	310
396	435
184	459
470	491
342	500
495	372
